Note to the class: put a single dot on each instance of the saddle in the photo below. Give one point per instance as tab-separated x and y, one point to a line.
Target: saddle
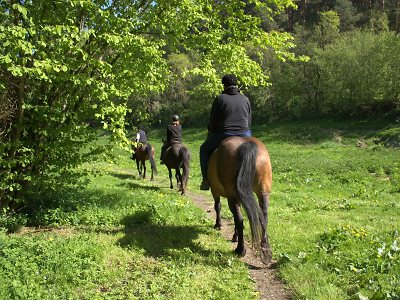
136	146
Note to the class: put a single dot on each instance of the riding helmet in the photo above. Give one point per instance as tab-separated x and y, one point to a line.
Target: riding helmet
229	79
175	118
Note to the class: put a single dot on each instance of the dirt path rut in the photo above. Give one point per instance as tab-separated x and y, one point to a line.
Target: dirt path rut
268	284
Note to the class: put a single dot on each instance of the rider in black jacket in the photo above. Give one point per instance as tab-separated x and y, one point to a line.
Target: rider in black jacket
174	136
230	116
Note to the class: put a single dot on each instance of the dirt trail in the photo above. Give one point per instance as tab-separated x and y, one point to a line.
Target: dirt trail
268	285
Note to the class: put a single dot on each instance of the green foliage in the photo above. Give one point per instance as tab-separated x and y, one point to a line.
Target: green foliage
369	87
348	15
328	27
46	265
120	237
389	137
355	74
67	64
10	221
378	21
373	261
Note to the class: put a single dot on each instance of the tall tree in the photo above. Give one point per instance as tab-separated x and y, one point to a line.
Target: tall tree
347	13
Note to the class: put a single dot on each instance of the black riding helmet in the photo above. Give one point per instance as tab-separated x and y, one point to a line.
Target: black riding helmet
175	118
229	79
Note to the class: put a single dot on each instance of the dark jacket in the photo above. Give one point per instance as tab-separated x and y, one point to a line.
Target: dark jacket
230	112
174	134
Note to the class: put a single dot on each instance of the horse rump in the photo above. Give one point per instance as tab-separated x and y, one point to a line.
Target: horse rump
177	157
185	159
238	169
246	172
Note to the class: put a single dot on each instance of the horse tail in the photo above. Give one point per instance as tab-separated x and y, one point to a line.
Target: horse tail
185	158
246	170
149	150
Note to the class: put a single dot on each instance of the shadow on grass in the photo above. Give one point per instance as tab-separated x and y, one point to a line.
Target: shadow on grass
61	203
158	240
124	176
134	176
135	185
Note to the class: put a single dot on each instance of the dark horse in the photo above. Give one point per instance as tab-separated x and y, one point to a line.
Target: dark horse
177	157
141	153
239	167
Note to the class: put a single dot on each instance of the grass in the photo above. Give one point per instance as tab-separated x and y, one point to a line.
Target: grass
335	204
333	225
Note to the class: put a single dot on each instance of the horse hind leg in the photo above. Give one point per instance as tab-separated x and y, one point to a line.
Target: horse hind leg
139	168
178	177
144	170
266	251
170	178
234	207
217	208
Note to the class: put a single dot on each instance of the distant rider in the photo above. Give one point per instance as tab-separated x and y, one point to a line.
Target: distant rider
174	136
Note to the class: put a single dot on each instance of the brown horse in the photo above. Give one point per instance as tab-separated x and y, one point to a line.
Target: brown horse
141	153
178	157
239	167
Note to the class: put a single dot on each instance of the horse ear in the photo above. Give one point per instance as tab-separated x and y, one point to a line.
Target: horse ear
163	141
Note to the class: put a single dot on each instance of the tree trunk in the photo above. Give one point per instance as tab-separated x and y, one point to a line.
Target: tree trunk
397	16
19	118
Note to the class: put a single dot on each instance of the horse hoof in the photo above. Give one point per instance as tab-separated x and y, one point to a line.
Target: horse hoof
234	238
240	252
266	256
218	227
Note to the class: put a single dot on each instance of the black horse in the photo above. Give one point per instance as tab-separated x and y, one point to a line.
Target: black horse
177	157
141	153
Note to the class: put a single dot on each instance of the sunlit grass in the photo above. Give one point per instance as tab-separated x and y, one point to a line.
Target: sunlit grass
333	225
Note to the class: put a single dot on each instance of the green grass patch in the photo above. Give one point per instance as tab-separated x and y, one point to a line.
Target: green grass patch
120	238
334	224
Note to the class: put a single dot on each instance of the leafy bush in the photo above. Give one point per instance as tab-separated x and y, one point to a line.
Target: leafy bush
372	267
359	73
12	221
355	74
